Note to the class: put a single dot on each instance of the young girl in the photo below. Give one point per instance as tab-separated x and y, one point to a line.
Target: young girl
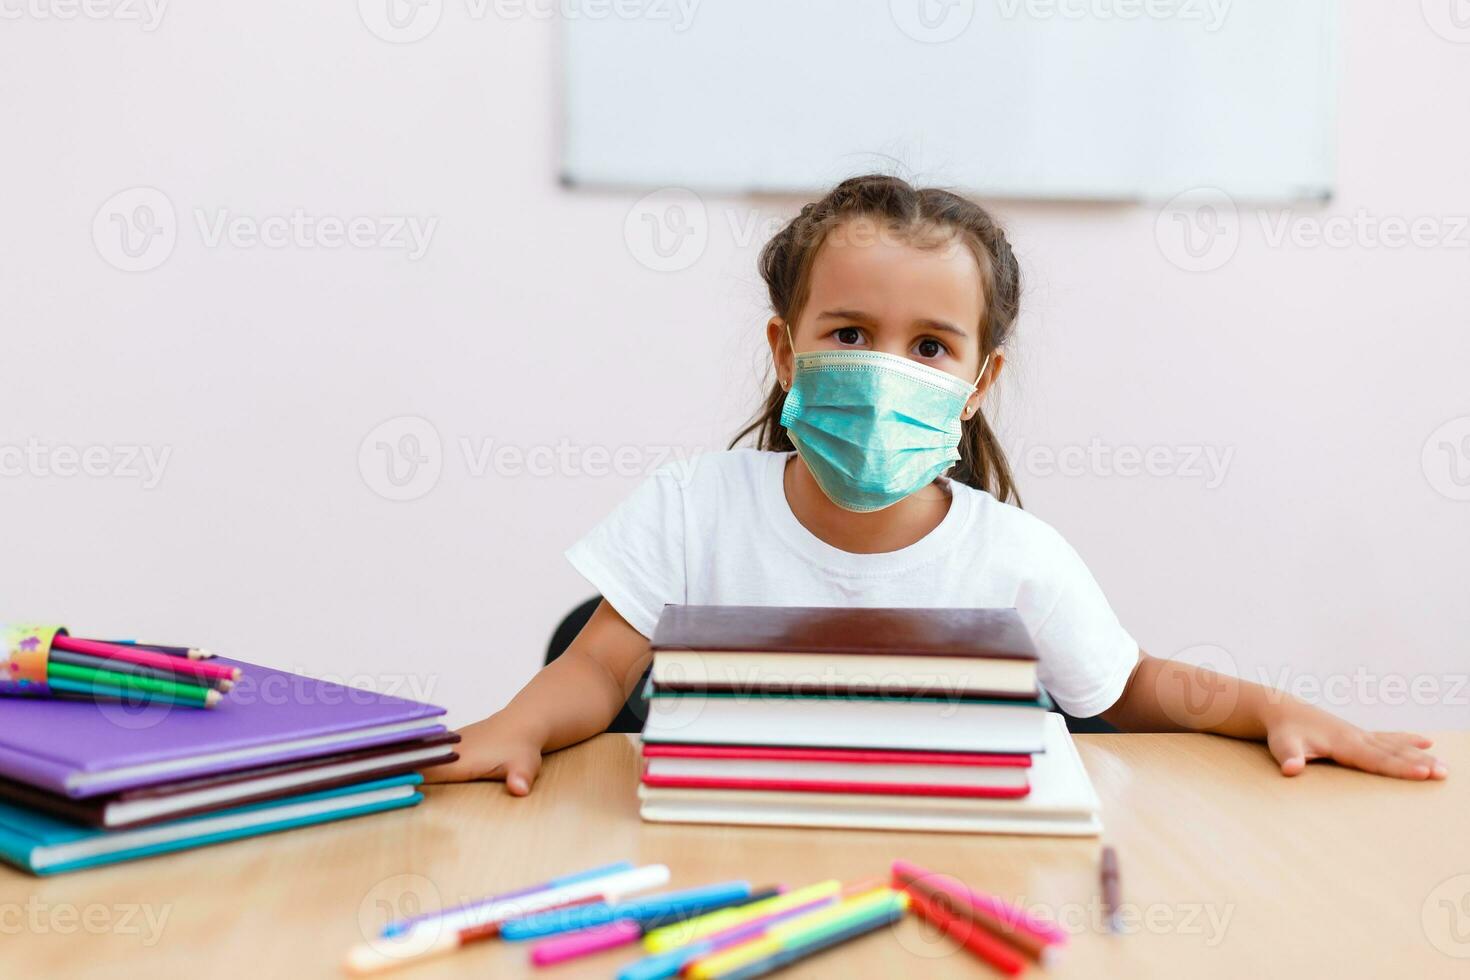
878	482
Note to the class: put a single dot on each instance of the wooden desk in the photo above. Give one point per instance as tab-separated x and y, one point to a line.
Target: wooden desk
1228	869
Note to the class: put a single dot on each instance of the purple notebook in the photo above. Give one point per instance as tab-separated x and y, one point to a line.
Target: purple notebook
83	748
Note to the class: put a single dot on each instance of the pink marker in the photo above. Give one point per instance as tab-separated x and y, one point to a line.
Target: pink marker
586	942
619	932
905	871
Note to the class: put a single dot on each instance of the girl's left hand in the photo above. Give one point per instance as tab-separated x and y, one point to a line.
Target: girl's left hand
1298	733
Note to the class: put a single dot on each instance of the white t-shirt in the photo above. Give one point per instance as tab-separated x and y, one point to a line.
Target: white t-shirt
717	530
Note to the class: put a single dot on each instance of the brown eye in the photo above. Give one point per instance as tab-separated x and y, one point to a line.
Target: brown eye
929	347
849	336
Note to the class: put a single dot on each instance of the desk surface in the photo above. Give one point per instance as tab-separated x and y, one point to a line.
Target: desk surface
1228	870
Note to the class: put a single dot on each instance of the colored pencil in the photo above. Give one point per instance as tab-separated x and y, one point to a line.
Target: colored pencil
670	937
86	690
1029	943
654	908
135	670
984	944
661	966
802	936
619	932
192	653
179	665
127	681
1109	874
817	944
404	925
1015	916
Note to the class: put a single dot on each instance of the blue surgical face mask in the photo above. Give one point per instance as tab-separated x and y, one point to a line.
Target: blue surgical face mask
872	427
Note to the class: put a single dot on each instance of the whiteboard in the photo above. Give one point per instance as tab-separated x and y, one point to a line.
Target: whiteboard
1062	99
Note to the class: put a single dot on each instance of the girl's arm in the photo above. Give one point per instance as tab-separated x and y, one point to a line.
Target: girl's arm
572	698
1166	696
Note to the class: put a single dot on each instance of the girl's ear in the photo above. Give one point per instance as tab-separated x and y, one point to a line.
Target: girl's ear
782	357
992	371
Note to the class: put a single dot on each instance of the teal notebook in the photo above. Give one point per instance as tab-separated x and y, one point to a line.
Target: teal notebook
43	844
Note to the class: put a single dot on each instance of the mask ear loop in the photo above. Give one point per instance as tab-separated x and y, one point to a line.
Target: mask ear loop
983	365
792	344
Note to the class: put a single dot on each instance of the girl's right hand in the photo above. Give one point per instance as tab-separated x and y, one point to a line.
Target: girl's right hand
492	749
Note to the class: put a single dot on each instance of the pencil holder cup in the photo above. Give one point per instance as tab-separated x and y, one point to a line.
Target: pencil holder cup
24	650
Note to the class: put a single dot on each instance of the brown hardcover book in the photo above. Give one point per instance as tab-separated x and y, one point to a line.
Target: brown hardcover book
205	794
820	650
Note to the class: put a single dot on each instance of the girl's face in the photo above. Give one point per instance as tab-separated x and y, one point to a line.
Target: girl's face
874	291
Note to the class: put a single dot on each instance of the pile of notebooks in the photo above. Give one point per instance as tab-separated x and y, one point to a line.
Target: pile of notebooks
90	783
901	719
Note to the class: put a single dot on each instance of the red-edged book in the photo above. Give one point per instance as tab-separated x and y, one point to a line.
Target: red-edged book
836	771
222	791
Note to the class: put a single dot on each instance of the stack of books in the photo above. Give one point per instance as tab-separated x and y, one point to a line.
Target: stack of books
86	783
901	719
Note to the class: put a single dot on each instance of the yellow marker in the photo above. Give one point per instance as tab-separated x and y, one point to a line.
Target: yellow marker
791	933
682	933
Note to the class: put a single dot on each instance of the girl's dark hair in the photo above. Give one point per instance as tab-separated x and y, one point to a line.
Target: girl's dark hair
924	216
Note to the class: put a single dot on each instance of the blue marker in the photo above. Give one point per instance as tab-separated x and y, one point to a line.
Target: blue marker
658	908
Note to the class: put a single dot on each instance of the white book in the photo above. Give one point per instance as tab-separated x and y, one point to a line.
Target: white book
1062	802
896	673
914	724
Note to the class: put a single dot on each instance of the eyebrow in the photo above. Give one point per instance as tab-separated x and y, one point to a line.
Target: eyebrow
939	326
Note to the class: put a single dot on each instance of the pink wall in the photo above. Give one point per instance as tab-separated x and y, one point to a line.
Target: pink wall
1325	544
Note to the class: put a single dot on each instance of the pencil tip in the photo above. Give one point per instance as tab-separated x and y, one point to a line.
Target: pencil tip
212	698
